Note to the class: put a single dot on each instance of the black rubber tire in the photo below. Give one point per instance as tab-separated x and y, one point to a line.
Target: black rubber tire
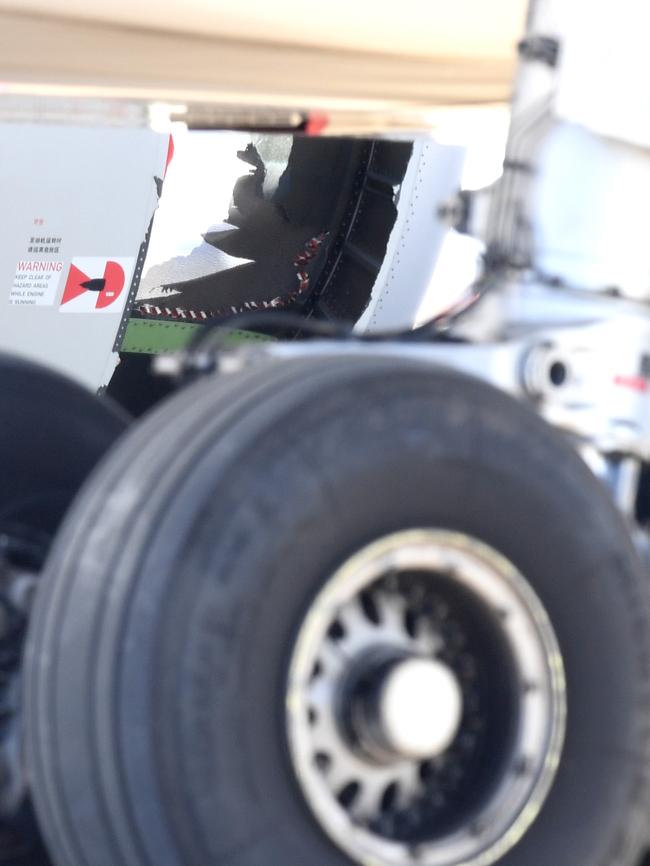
158	654
53	433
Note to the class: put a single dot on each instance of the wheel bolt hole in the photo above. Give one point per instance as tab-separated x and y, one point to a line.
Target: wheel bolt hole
411	622
337	630
389	797
370	609
322	761
426	771
557	373
349	794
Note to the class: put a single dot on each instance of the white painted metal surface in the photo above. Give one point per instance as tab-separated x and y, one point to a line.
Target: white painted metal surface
363	56
81	201
433	176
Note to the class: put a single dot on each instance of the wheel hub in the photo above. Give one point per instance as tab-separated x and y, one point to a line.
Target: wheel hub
401	707
426	703
419	708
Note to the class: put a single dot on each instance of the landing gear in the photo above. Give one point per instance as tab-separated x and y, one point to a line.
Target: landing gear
338	612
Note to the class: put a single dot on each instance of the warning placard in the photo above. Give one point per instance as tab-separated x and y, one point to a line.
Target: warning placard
35	283
77	203
97	285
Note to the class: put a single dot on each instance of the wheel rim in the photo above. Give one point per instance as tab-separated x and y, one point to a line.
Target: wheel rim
426	703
